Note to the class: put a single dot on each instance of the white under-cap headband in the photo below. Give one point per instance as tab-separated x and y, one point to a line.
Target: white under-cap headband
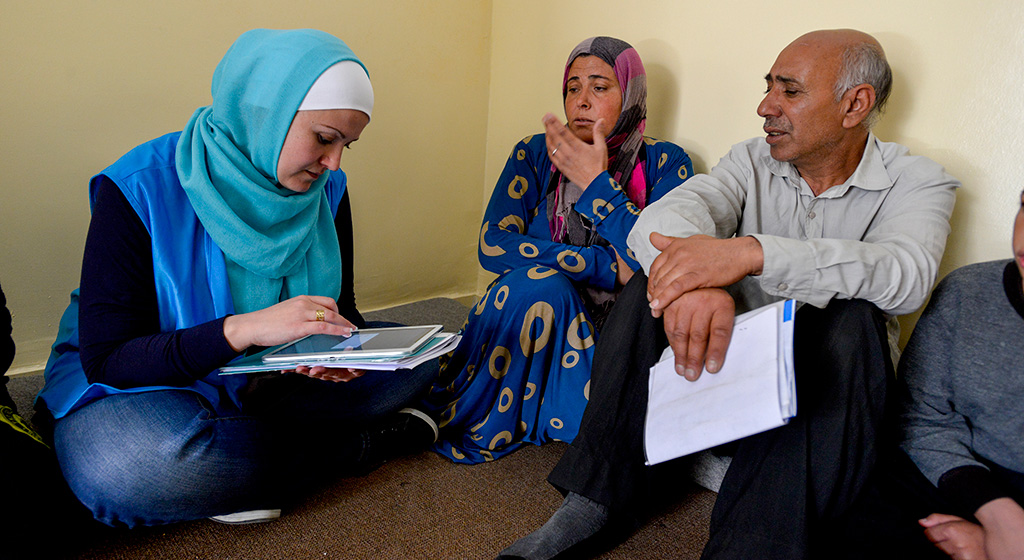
342	86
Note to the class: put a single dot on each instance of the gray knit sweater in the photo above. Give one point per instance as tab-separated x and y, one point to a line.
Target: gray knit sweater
964	374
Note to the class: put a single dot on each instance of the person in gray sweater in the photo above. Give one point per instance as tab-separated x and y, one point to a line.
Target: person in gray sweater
963	421
956	483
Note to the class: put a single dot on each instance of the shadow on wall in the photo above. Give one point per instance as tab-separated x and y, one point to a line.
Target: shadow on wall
663	94
905	60
908	63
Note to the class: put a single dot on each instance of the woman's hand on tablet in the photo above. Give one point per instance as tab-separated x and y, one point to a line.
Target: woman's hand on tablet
330	374
286	321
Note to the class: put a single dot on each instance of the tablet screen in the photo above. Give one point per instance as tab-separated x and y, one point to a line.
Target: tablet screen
390	341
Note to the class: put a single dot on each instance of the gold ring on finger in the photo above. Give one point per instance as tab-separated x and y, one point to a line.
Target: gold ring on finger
320	315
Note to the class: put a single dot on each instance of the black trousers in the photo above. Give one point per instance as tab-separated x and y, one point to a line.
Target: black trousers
785	488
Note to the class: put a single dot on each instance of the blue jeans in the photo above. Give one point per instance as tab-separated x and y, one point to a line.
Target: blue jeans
165	456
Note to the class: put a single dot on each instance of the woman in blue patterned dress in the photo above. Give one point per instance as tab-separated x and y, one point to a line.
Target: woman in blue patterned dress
555	232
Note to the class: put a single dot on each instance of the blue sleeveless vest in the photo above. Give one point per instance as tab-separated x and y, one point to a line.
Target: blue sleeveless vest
191	278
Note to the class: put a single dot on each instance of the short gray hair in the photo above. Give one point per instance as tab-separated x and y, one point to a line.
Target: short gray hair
865	63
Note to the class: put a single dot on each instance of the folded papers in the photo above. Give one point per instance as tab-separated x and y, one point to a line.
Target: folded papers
754	391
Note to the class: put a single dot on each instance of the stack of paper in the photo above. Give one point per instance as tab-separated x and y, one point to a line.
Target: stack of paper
754	391
442	343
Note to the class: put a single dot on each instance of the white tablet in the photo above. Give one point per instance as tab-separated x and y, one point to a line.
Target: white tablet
364	343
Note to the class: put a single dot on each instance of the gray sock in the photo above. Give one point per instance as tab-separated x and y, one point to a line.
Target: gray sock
577	519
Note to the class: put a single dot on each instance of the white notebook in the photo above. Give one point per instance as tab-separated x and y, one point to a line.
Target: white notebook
754	391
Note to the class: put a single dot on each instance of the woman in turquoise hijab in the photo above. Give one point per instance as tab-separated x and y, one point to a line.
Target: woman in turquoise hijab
228	236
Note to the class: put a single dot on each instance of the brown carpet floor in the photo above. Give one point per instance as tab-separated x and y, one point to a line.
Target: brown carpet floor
418	507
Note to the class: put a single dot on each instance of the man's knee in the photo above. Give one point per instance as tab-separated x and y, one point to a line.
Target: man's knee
842	350
845	325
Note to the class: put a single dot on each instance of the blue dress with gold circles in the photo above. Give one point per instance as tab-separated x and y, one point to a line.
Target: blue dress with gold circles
521	373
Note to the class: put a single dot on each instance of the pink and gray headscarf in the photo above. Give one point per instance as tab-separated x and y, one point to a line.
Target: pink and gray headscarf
624	142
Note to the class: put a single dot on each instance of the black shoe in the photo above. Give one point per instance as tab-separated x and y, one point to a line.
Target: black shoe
406	432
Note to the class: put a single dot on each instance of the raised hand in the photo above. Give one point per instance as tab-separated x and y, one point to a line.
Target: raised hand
577	160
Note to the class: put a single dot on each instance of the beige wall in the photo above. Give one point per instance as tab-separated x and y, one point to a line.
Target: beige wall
83	82
457	83
957	97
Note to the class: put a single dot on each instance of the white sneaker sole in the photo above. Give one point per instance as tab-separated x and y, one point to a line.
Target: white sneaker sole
248	517
422	416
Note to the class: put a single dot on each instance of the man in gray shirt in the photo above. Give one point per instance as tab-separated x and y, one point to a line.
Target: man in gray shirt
819	210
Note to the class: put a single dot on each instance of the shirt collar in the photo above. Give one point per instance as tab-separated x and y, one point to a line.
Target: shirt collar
870	174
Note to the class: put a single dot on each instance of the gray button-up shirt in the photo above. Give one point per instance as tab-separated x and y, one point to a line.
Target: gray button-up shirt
879	236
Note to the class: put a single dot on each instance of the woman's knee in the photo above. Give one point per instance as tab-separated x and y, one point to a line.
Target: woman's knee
523	288
180	466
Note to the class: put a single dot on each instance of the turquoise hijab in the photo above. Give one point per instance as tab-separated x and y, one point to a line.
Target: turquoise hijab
277	243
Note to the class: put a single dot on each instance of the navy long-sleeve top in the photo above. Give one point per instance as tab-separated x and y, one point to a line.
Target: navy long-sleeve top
121	344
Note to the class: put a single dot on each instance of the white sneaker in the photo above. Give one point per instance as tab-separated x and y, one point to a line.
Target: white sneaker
247	517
